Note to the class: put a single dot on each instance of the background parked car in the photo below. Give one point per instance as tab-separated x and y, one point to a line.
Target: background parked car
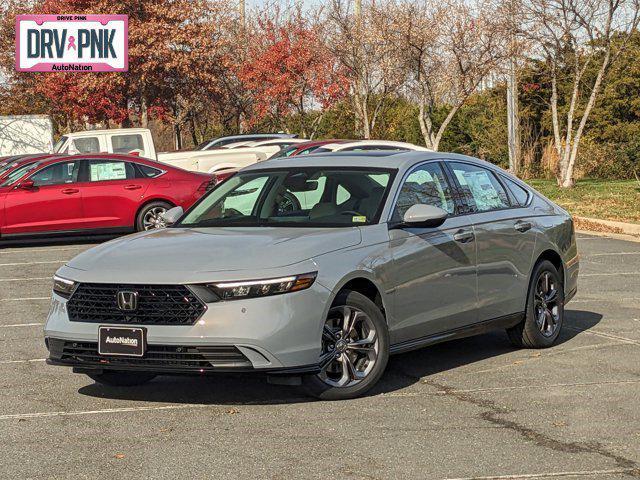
367	145
304	148
96	193
222	141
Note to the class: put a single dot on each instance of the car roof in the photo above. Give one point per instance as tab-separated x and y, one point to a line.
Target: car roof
393	160
275	141
373	143
114	131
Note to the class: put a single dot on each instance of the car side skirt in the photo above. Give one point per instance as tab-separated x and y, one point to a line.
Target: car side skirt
478	328
64	233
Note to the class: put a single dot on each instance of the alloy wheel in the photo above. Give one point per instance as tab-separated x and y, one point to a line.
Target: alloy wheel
153	218
350	347
546	304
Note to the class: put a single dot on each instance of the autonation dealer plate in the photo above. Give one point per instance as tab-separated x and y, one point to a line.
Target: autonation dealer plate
121	341
74	43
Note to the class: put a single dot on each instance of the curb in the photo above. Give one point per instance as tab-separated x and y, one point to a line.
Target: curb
615	236
596	224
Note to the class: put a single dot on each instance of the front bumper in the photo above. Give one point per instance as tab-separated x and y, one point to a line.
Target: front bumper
280	333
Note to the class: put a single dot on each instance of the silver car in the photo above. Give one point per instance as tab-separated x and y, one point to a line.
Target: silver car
314	270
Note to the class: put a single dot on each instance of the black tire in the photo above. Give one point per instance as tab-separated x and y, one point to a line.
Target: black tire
529	332
148	208
115	378
316	387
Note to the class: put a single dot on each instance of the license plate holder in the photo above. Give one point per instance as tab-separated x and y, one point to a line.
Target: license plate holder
122	341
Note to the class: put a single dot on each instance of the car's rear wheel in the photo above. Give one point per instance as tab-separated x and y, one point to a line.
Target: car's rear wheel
545	309
150	216
355	349
116	378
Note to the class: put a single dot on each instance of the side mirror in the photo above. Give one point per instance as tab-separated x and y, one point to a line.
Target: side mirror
27	185
426	216
172	215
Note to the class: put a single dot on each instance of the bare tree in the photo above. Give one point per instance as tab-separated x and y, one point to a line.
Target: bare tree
447	50
356	39
574	36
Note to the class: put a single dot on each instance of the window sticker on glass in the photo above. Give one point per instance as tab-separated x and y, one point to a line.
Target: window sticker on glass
483	191
108	171
359	219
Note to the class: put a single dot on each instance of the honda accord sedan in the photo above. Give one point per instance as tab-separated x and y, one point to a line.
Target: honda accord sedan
315	269
95	193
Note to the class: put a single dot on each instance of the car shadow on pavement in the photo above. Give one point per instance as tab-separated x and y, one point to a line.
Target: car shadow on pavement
402	371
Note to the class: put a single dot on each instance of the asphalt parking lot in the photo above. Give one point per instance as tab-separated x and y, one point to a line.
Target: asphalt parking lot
474	408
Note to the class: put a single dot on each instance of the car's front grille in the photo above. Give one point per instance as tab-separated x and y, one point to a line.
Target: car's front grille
156	357
156	304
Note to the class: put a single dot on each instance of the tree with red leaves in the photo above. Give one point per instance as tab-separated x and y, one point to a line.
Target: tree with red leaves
289	70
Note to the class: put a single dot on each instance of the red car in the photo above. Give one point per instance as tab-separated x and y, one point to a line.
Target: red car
93	193
303	148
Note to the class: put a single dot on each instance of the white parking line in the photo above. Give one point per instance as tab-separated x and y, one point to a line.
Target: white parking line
24	279
106	410
515	387
17	264
21	325
611	254
578	473
30	250
605	335
24	298
608	274
33	360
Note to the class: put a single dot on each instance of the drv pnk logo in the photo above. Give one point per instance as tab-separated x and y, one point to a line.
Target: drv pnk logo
82	43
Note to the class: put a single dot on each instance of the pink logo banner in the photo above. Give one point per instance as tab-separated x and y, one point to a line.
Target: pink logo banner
72	43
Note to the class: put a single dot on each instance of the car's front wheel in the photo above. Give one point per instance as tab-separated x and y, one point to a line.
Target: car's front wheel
544	312
355	349
115	378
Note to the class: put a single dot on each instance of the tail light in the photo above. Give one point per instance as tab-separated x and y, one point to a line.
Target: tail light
222	176
217	179
206	186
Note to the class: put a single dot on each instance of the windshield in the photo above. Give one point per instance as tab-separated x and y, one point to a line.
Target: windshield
298	197
58	146
18	173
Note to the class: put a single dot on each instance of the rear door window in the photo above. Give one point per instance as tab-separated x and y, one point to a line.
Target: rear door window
108	170
481	188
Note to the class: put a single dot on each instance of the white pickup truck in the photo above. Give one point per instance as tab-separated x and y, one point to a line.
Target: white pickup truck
139	141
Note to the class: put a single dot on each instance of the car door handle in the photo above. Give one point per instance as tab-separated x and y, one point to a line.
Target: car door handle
132	187
70	191
522	226
464	236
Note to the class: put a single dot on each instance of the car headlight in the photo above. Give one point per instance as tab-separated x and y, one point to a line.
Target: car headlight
63	287
262	288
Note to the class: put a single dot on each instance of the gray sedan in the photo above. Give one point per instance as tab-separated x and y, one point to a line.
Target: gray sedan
316	269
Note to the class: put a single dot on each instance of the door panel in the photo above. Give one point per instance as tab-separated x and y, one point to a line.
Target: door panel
434	269
505	240
505	253
435	280
111	194
53	204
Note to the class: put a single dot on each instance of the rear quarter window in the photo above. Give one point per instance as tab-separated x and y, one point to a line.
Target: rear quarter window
520	194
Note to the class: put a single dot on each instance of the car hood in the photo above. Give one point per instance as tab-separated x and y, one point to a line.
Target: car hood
181	255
